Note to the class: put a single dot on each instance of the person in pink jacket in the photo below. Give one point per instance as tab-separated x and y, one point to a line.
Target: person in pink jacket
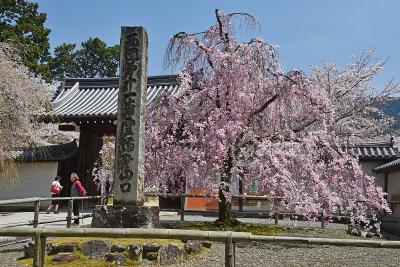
76	191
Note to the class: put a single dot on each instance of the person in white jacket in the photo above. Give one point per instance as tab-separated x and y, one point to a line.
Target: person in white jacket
55	192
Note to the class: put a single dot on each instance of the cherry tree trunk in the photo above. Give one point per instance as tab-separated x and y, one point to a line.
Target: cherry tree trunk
224	210
225	205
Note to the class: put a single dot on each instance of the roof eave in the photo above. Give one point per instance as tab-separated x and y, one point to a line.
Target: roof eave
50	118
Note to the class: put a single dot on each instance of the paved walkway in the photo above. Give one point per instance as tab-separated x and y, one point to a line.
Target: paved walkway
8	219
11	218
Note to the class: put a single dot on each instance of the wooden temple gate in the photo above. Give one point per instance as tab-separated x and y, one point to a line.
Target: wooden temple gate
89	105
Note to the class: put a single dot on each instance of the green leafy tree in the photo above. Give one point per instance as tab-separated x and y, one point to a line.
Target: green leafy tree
63	63
23	25
93	59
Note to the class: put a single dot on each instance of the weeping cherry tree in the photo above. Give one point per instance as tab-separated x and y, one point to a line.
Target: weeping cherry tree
239	116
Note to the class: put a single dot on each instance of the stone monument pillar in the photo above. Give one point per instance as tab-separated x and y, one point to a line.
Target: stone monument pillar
128	189
129	157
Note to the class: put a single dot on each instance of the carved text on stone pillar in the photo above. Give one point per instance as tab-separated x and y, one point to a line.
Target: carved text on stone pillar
129	172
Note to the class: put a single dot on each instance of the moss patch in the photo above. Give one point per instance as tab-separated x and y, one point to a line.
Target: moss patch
263	229
119	241
80	261
83	261
257	229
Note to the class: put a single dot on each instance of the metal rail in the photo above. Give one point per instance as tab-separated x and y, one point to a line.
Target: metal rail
148	194
36	200
181	209
45	222
228	237
248	197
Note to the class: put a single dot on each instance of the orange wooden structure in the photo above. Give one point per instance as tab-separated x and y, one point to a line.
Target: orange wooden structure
199	203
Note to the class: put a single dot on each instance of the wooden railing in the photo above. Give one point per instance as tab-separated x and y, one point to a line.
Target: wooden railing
229	238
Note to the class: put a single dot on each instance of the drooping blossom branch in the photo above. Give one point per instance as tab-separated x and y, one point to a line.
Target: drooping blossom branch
238	116
22	96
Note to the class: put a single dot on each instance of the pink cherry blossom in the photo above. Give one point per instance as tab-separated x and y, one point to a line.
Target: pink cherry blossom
238	116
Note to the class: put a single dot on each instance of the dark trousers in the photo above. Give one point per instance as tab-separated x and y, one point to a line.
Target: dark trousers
75	209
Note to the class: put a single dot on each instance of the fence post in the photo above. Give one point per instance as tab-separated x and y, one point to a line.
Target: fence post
36	214
69	214
36	250
323	215
42	251
276	211
229	251
241	199
183	208
81	211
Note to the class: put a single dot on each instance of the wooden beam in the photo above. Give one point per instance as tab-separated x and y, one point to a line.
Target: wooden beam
67	127
385	188
105	128
90	144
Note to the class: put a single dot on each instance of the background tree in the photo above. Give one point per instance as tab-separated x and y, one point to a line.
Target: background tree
22	25
103	171
22	96
63	62
358	105
93	59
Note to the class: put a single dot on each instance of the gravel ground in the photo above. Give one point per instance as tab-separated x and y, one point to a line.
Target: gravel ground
274	254
261	254
257	254
10	254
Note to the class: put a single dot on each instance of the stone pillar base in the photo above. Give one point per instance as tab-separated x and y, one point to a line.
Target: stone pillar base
125	216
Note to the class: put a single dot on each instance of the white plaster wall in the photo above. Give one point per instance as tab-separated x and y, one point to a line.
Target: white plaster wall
393	183
35	181
367	167
394	190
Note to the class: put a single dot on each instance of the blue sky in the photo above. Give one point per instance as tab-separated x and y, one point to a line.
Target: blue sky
307	32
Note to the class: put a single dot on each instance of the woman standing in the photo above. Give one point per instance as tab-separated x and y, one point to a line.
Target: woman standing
55	192
76	191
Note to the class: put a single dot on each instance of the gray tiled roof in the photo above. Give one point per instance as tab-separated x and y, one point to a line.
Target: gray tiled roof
393	165
373	151
97	98
43	153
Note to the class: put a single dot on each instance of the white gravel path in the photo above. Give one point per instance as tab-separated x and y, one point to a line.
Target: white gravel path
257	254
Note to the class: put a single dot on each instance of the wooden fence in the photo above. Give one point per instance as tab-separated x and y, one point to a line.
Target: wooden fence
229	238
